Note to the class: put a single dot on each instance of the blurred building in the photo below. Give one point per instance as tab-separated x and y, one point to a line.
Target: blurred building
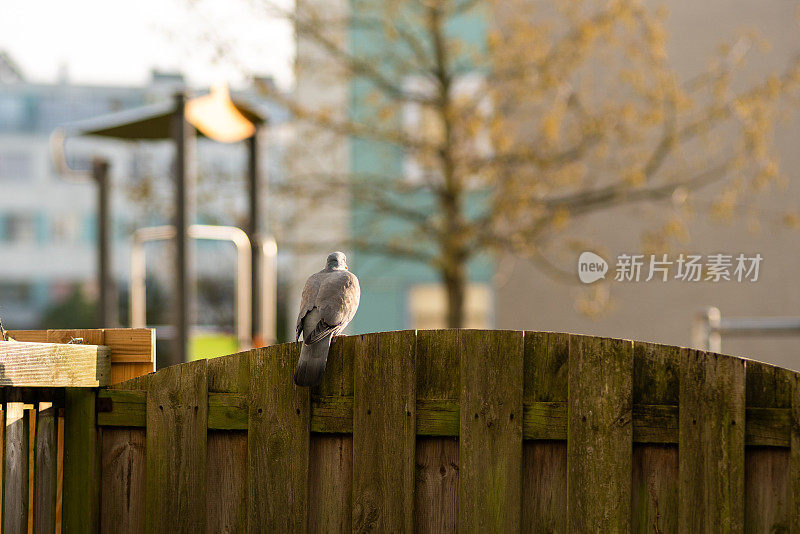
395	293
48	225
663	311
513	293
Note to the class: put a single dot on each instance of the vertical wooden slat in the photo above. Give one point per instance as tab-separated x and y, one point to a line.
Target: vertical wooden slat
490	431
384	431
123	480
330	483
177	416
15	477
330	468
544	483
794	459
80	506
654	484
766	482
45	469
711	443
277	443
123	463
226	463
599	434
436	490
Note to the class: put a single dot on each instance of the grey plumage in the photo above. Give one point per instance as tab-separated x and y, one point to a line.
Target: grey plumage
329	302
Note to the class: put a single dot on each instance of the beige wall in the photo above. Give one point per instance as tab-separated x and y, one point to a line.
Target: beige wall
663	312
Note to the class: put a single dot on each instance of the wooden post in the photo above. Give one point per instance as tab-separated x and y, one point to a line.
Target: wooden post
81	493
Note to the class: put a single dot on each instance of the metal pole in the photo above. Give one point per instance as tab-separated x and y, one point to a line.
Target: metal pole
181	225
253	233
105	297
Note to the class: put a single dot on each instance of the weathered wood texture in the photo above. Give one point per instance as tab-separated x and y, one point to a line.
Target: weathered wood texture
81	485
599	434
15	473
438	381
177	411
53	365
711	476
45	470
766	468
132	350
277	443
654	482
123	464
384	430
490	452
390	440
226	460
544	483
330	469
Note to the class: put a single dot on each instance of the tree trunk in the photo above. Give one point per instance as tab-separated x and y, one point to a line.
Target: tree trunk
455	282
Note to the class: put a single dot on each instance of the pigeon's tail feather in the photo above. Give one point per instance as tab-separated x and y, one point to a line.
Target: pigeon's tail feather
311	365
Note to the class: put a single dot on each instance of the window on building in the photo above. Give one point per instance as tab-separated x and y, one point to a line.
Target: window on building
19	228
15	292
427	305
65	228
424	122
15	166
12	113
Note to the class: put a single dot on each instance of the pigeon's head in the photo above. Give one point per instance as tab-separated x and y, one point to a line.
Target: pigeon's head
337	261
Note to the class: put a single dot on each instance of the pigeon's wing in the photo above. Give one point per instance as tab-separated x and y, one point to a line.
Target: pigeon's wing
337	301
308	300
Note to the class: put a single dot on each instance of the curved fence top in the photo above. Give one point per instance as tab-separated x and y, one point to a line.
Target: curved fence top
484	430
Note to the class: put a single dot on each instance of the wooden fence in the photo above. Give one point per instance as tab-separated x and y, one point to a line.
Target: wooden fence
444	431
43	444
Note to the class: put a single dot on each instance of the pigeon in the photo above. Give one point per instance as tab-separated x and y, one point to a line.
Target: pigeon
329	302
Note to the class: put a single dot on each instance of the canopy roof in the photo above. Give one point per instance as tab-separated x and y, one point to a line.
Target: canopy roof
214	115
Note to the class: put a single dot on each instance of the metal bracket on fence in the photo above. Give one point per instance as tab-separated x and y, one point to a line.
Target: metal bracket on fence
709	326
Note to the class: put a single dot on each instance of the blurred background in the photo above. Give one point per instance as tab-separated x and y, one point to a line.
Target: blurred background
462	153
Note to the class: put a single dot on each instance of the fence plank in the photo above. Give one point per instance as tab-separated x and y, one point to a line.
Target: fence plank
711	478
177	411
15	476
123	462
226	464
330	469
123	468
654	482
384	423
599	434
277	443
438	382
544	483
226	479
46	454
766	487
330	483
490	447
81	474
